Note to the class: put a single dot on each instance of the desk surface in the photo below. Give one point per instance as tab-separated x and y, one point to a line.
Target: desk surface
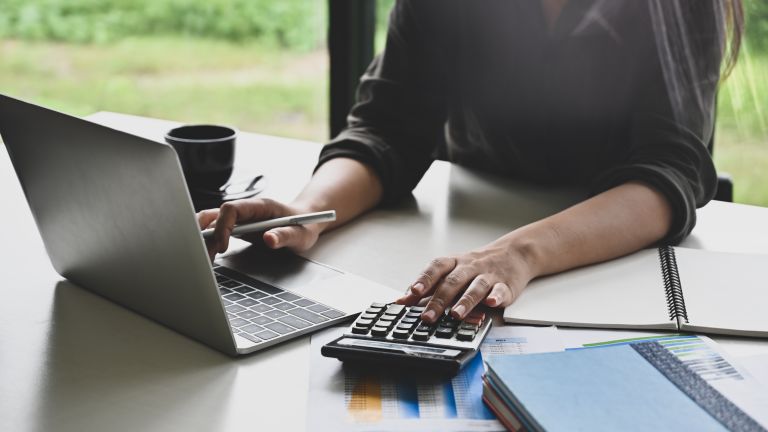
70	360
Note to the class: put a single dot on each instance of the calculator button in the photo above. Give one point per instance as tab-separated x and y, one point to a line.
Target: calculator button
424	328
368	316
416	309
373	311
475	318
379	331
405	326
363	322
378	305
395	310
409	320
420	336
471	327
444	332
465	335
359	330
400	334
387	318
416	315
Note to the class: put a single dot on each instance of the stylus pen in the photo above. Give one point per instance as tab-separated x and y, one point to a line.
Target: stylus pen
302	219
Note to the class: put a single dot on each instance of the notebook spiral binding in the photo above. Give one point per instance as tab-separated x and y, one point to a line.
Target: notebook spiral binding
672	286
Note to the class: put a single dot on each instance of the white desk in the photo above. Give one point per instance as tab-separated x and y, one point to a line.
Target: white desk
72	361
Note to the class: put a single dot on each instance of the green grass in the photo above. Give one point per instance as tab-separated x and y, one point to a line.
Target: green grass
256	88
741	142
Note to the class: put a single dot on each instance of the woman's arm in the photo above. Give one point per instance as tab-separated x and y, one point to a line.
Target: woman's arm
341	184
616	222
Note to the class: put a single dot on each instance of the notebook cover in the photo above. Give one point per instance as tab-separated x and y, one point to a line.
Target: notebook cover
612	388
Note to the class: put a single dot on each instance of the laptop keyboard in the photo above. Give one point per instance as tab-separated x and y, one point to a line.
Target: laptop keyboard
259	312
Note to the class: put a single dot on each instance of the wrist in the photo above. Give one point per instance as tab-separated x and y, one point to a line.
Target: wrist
300	206
526	249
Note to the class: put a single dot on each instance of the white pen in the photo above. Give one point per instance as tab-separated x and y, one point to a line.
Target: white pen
302	219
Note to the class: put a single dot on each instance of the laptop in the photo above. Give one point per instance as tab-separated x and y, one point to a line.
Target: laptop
116	218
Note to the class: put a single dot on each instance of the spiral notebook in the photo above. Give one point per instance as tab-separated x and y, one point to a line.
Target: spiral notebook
669	288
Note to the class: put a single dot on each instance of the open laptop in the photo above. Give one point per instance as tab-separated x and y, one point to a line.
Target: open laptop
116	218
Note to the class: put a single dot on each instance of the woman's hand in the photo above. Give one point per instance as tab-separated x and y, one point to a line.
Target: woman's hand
494	275
297	238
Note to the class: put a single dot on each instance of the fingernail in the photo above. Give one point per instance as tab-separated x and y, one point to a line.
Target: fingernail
493	300
417	287
408	292
429	315
459	310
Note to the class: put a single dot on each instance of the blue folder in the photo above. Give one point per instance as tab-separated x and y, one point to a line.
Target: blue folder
612	388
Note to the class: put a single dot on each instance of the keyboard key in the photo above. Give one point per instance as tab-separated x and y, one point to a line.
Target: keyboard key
234	296
252	328
250	337
294	322
230	283
226	302
279	328
247	302
256	295
221	278
267	288
239	322
274	313
243	289
267	334
465	335
318	308
307	315
288	296
283	306
270	300
444	332
234	308
379	331
230	316
261	308
304	302
224	291
248	314
261	320
364	322
395	310
400	334
333	313
420	336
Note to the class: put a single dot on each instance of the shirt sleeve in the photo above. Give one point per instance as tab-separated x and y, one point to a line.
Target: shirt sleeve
668	147
398	119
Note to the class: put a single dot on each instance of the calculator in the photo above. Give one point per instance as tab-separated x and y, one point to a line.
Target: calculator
388	334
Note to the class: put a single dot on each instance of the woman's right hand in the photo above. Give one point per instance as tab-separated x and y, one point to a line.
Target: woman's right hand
296	238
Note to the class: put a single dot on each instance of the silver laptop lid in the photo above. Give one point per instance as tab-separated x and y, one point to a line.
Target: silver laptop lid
116	218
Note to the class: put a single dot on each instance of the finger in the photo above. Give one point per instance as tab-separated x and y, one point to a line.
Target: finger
447	290
296	238
477	291
428	279
206	217
502	295
233	212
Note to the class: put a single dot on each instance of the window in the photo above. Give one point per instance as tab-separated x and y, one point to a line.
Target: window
260	65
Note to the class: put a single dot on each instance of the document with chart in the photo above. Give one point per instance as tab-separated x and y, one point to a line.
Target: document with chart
345	399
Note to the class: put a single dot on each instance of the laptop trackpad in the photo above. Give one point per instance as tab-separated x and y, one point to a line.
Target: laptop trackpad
324	284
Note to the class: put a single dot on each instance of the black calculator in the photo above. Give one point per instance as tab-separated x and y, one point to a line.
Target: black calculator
388	334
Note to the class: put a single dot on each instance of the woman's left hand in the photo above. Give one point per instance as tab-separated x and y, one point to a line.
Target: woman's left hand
495	275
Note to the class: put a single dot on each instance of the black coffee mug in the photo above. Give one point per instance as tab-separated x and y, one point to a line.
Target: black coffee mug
206	153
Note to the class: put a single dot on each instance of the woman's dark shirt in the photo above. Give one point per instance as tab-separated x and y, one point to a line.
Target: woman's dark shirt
485	84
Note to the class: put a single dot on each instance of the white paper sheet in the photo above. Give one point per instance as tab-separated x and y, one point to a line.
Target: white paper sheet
343	400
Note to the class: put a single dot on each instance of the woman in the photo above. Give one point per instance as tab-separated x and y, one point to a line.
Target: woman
617	96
